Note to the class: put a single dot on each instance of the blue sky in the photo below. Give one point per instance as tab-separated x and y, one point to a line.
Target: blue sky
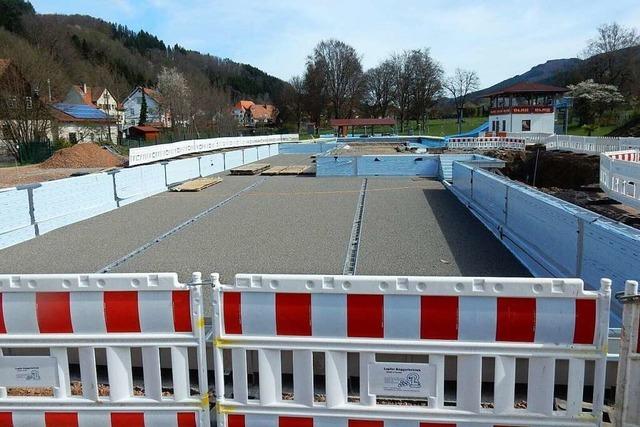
498	38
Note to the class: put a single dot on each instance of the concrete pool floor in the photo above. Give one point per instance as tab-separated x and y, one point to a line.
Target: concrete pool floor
282	224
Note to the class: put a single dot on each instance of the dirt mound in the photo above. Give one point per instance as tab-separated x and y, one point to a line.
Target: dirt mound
83	156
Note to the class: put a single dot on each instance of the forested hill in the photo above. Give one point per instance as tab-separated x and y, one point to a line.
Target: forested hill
80	49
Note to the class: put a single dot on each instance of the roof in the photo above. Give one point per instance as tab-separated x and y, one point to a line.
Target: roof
526	87
363	122
244	104
154	94
145	129
79	113
263	111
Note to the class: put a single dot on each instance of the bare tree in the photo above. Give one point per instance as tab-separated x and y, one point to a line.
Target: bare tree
379	88
341	71
459	85
294	98
426	83
612	37
315	96
402	83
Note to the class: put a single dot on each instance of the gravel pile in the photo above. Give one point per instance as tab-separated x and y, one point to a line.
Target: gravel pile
83	156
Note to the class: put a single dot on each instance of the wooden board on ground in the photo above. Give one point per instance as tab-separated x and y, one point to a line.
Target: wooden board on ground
251	169
293	170
274	170
197	184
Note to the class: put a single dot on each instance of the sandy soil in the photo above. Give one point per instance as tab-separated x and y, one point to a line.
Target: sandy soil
12	176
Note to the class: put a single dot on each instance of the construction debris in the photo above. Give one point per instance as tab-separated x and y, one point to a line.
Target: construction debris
251	169
290	170
197	184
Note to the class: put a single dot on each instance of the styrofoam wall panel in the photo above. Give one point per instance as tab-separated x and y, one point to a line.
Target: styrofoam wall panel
490	194
546	225
139	182
233	159
14	237
462	175
65	201
182	170
263	152
213	163
610	250
14	210
335	166
397	165
250	155
274	149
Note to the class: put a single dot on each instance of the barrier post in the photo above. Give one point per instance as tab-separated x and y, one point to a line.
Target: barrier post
627	409
200	332
217	350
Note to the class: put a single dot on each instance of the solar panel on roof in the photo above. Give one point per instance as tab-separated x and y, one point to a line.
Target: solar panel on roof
81	111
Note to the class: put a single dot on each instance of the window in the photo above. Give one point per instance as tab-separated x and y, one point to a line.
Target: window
28	102
73	138
504	126
526	125
493	126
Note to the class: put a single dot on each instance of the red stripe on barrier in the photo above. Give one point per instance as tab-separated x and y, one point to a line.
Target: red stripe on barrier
585	323
439	317
231	304
516	319
365	316
121	311
61	419
365	423
53	312
295	422
293	314
186	419
6	419
3	327
181	311
127	419
235	420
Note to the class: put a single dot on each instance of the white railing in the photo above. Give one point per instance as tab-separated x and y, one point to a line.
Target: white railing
590	144
154	153
486	143
316	322
529	137
50	321
628	386
620	176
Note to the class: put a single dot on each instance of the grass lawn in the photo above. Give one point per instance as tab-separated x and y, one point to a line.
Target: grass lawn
580	131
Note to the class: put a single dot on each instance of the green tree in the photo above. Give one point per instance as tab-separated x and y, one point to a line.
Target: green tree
143	111
591	100
11	12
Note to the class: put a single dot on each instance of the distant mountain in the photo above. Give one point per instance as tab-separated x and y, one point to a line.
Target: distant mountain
551	72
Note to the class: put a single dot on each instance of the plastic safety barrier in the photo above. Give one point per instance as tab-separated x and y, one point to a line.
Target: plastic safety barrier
628	386
620	176
509	321
15	211
590	144
487	143
58	317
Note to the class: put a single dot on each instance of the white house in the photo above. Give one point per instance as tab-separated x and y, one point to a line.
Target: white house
524	107
97	96
156	115
79	123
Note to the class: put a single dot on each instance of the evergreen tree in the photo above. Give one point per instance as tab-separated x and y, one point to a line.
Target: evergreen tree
143	111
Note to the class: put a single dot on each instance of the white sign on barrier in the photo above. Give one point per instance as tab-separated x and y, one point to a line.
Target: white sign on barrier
402	379
28	371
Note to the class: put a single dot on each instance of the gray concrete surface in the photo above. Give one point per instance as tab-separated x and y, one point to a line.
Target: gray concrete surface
415	225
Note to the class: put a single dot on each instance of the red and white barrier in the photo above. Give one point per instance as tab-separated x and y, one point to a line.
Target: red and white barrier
61	315
487	143
540	320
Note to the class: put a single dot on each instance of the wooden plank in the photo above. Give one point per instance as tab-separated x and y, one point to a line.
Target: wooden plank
252	169
309	170
197	184
274	170
293	170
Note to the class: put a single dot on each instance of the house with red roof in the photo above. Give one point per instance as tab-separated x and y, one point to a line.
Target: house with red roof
250	114
96	96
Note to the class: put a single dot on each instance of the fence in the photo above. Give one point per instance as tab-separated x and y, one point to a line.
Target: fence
628	386
486	143
552	238
58	317
138	156
510	321
620	176
590	144
31	210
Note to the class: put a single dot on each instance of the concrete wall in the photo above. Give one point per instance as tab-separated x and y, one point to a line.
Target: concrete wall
552	238
29	211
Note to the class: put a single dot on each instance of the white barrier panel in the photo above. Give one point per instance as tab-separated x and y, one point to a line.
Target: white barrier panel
233	159
590	144
250	155
211	164
487	143
628	378
16	224
274	149
532	321
182	170
133	184
113	313
65	201
155	153
263	152
620	176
